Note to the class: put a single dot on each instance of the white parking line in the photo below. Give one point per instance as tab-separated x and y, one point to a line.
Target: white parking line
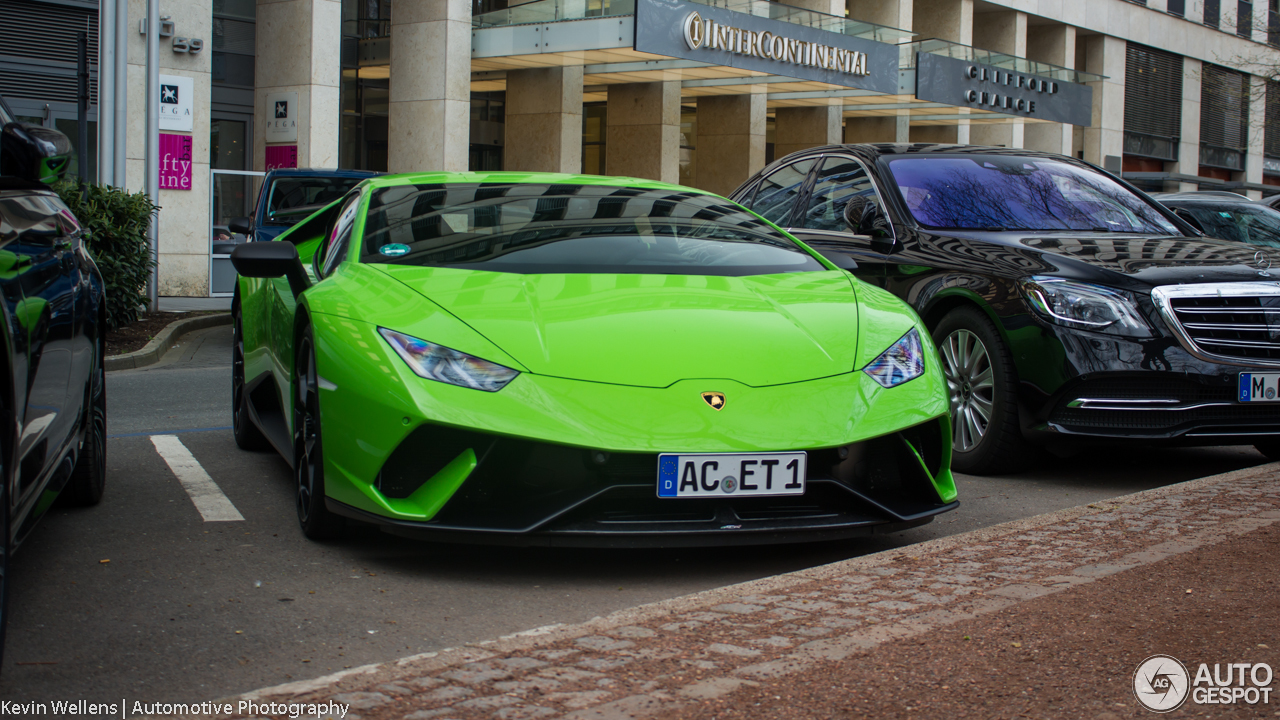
205	493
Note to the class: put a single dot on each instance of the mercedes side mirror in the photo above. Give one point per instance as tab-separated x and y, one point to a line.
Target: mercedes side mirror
271	260
242	225
864	217
1189	219
34	153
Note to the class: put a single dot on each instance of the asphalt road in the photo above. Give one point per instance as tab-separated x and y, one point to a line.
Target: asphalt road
140	599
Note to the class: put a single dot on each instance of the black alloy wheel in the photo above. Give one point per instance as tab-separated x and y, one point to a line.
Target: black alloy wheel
308	449
986	436
89	477
247	435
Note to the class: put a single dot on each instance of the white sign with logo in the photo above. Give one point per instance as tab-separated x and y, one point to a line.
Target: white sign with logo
176	101
280	118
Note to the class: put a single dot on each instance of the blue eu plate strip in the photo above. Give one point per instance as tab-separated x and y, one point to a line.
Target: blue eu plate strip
668	473
1244	386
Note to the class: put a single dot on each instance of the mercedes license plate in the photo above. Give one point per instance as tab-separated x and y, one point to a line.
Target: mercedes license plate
1259	387
737	474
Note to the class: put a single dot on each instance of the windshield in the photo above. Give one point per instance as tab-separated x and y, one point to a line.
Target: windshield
539	228
292	199
1250	223
999	192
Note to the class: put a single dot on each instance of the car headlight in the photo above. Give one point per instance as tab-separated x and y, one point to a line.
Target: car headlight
903	361
1084	306
436	362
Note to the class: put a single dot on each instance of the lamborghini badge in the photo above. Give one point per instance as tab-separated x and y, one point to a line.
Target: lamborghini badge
714	399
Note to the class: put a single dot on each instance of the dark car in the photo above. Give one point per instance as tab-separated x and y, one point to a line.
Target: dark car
53	402
1226	216
1067	306
288	196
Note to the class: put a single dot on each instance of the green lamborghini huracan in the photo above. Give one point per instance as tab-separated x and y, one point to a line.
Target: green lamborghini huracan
574	359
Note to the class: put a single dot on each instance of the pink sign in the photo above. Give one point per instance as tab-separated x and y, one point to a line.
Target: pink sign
175	162
282	156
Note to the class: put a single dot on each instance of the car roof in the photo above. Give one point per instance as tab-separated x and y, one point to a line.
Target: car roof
320	173
1201	195
532	178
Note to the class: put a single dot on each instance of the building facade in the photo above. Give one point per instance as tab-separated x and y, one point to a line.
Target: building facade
1174	95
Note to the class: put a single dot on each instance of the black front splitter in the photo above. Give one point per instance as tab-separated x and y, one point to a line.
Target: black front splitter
745	533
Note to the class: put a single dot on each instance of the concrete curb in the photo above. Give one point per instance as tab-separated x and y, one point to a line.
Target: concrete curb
163	342
417	665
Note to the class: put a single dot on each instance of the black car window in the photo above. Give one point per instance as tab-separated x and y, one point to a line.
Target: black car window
778	191
291	200
1003	192
335	245
1247	222
839	179
540	228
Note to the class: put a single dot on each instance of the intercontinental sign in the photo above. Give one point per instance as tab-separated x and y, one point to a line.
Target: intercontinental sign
705	32
718	36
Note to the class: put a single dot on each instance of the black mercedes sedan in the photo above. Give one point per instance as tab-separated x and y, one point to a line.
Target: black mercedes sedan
1067	306
53	397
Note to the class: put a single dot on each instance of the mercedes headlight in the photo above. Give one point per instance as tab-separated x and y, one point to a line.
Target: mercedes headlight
436	362
903	361
1084	306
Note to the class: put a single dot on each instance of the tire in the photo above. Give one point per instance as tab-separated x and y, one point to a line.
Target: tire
308	447
247	435
1270	448
89	477
986	436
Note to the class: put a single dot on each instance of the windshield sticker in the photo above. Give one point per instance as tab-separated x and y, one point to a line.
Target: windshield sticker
394	249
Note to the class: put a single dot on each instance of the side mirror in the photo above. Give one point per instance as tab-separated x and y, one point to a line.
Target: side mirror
271	260
1189	219
242	225
864	217
34	153
840	260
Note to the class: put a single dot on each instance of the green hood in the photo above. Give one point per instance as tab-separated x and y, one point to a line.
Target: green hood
655	330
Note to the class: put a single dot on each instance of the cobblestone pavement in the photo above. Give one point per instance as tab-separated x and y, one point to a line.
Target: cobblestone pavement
664	659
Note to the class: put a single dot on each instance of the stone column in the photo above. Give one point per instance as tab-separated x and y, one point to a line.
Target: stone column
544	120
730	140
1056	45
1105	55
1004	32
1257	126
830	7
643	138
1189	136
893	13
429	123
881	129
183	229
798	128
296	46
946	20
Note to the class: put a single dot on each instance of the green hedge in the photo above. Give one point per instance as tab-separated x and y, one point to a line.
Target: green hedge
115	223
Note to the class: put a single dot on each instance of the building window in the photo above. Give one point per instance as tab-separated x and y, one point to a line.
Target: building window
488	131
1224	118
232	45
1271	138
1152	103
1244	19
1212	12
594	128
1177	7
1273	23
366	84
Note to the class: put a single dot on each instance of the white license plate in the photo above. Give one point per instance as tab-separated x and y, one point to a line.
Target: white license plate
1259	387
736	474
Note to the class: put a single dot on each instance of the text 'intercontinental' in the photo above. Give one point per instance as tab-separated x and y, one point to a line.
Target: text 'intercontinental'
709	34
